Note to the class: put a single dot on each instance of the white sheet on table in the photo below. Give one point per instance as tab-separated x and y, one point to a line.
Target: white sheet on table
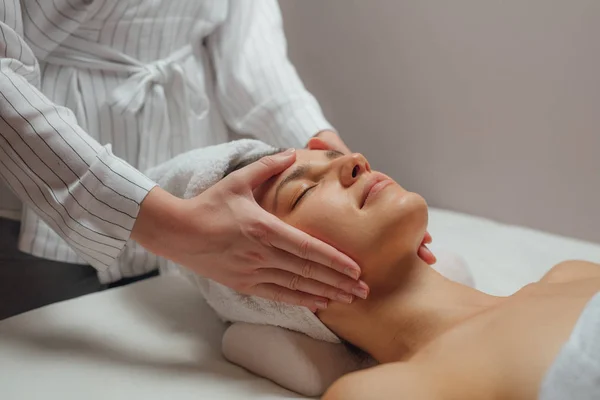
503	258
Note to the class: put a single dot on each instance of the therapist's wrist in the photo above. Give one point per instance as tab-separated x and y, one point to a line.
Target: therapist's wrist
158	222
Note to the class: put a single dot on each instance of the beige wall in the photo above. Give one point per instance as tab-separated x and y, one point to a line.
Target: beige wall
485	107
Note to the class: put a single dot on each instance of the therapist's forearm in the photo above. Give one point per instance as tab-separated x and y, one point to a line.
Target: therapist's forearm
76	185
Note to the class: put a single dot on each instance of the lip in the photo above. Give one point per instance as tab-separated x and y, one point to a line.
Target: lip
372	187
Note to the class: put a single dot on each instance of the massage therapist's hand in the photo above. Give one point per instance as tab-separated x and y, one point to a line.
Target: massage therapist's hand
224	235
333	141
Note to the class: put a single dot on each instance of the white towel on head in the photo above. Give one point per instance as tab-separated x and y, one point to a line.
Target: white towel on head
191	173
188	175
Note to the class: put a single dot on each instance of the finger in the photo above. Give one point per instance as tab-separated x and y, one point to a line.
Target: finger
317	143
317	272
287	238
426	255
281	294
262	170
328	140
427	239
301	284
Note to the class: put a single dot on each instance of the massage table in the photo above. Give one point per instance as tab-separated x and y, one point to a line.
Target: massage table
157	339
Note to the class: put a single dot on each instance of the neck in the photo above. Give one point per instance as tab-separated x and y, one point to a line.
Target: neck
397	320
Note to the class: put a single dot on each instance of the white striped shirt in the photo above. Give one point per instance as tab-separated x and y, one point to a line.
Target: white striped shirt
81	79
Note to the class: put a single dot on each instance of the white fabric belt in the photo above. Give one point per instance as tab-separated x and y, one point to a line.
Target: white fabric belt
182	96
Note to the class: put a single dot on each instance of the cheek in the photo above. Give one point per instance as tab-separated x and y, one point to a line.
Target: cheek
332	218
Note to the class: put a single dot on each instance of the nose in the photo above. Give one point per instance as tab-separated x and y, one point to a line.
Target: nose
352	167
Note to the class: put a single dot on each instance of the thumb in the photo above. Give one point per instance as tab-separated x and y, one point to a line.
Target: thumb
260	171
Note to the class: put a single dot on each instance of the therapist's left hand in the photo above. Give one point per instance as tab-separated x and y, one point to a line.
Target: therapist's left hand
333	141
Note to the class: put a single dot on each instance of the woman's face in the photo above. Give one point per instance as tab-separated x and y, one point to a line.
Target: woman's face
338	199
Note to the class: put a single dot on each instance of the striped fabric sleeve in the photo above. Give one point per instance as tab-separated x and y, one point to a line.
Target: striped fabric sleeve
258	88
77	186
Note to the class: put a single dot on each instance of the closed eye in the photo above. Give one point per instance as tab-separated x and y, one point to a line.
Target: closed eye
302	196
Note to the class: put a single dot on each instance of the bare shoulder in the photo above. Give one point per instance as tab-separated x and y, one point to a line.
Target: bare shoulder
388	381
572	270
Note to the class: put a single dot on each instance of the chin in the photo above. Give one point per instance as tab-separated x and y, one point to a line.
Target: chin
406	216
416	213
398	203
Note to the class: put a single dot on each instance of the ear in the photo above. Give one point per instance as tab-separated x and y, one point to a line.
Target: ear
316	143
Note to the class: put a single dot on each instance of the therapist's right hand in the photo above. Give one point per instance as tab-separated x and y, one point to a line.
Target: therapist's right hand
223	234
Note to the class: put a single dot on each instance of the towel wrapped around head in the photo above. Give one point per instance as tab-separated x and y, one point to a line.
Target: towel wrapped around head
188	175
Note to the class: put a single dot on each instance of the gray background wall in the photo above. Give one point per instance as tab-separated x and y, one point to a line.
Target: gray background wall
485	107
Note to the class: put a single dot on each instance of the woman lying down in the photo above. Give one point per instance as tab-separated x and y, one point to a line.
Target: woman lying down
434	338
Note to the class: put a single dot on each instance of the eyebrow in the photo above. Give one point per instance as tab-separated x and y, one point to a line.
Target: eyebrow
300	172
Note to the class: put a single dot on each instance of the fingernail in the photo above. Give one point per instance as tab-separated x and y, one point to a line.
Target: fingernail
360	292
345	297
352	272
321	305
289	151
